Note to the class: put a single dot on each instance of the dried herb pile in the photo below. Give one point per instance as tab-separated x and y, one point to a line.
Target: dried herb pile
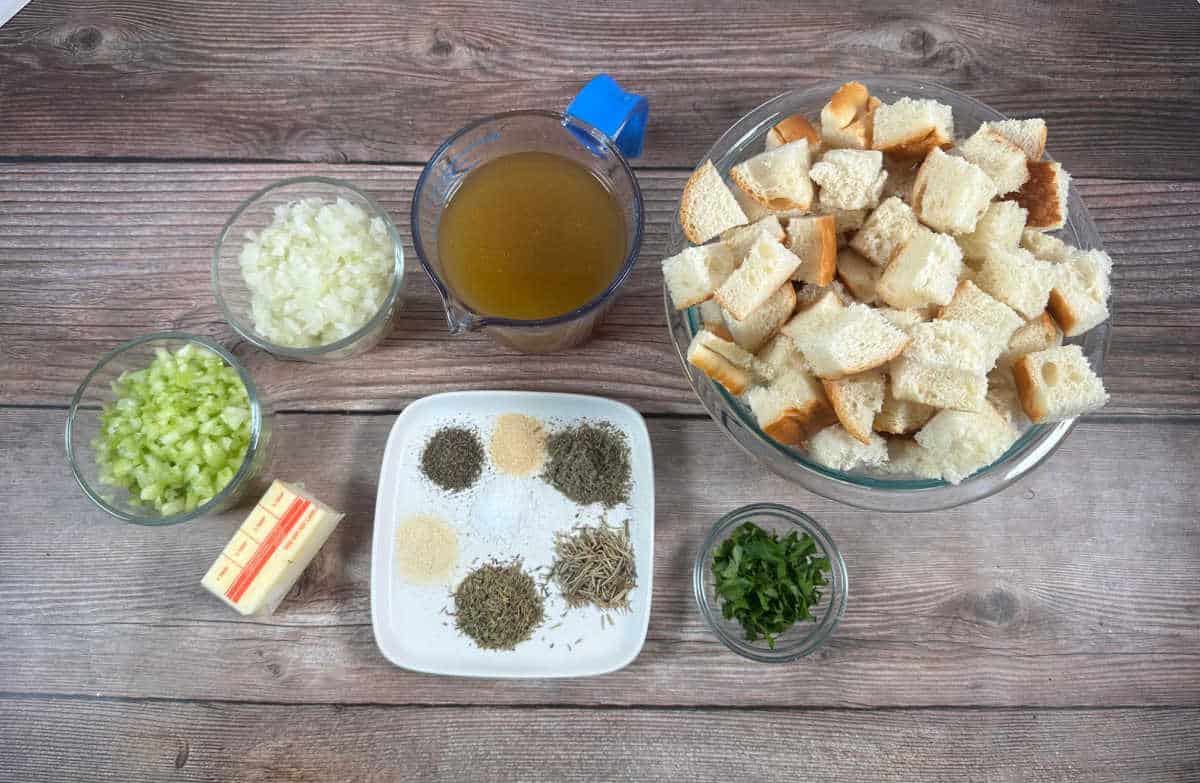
498	605
589	463
595	565
453	458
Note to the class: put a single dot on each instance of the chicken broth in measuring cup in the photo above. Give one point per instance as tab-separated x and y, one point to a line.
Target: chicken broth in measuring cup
531	235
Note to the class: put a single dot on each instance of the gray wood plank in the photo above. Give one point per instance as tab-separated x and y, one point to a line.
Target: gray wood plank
1076	587
372	81
132	741
91	255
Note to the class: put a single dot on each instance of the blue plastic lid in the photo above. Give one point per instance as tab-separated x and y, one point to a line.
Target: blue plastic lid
617	114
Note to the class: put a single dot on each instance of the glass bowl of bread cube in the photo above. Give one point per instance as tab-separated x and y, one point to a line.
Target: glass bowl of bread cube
887	292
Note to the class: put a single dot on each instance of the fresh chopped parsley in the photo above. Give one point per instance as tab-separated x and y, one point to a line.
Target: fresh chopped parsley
768	583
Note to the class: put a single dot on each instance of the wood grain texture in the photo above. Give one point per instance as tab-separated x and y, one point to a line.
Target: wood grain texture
93	254
374	81
1076	587
131	741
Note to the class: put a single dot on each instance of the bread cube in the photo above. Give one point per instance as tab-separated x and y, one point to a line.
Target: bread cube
1057	384
845	221
858	274
740	239
885	231
768	265
849	179
1000	225
1002	396
945	367
1044	194
707	206
724	362
999	158
751	332
835	448
1016	278
908	458
846	119
1037	334
846	341
911	127
951	193
923	272
791	408
1029	135
777	178
904	320
791	129
779	356
1045	246
694	274
901	176
995	321
1081	288
856	399
961	443
712	318
813	239
816	308
900	417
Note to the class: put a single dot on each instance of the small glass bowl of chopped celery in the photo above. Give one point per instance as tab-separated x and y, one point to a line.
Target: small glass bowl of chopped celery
800	638
167	428
310	269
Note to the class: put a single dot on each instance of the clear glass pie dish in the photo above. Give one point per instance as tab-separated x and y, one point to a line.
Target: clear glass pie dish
746	139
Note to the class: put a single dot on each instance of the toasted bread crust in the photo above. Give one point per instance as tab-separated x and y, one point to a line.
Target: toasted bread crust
1022	371
1060	308
919	144
1039	195
826	262
774	204
691	230
720	369
855	370
794	128
841	409
796	425
846	102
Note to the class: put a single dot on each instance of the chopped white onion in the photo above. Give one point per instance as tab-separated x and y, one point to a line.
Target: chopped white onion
317	273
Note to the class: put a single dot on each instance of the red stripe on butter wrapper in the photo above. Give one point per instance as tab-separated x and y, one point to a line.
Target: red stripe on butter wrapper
266	549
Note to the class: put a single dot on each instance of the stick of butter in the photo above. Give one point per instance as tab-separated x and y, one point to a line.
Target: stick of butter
270	550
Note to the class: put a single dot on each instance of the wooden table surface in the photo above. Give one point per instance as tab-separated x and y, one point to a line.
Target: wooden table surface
1051	632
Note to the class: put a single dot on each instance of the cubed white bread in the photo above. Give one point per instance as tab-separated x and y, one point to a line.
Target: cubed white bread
856	399
1045	246
1016	278
1044	194
951	193
753	211
908	458
999	158
995	321
836	448
764	321
1029	135
815	309
791	408
885	231
1000	225
810	294
813	239
1002	396
708	207
794	128
726	363
846	119
900	417
1058	383
1079	296
945	367
858	274
779	356
696	273
768	265
923	272
912	127
855	339
904	320
712	318
849	179
740	239
901	176
961	443
845	221
778	178
1037	334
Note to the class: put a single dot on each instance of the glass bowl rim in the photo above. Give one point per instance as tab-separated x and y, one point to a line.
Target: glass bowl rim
248	333
839	585
626	266
239	478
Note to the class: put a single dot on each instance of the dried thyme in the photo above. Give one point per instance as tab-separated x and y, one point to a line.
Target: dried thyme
595	565
453	458
589	463
498	605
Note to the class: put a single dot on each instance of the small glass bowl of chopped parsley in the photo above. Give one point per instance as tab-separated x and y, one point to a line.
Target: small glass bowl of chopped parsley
770	583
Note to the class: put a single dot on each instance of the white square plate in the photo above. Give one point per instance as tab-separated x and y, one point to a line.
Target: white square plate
503	517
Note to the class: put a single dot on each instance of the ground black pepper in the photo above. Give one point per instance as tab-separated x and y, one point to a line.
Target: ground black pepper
589	463
453	458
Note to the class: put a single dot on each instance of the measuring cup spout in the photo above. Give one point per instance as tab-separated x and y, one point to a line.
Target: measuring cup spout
458	318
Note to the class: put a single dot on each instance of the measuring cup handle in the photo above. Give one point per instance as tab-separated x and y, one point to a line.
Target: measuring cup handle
617	114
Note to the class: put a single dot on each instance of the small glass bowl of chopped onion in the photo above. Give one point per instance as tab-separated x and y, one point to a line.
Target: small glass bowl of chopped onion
167	428
310	269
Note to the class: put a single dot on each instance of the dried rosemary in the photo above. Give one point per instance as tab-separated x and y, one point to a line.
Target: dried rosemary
498	605
595	565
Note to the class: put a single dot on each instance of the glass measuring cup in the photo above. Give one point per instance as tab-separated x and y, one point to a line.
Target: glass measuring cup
599	130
